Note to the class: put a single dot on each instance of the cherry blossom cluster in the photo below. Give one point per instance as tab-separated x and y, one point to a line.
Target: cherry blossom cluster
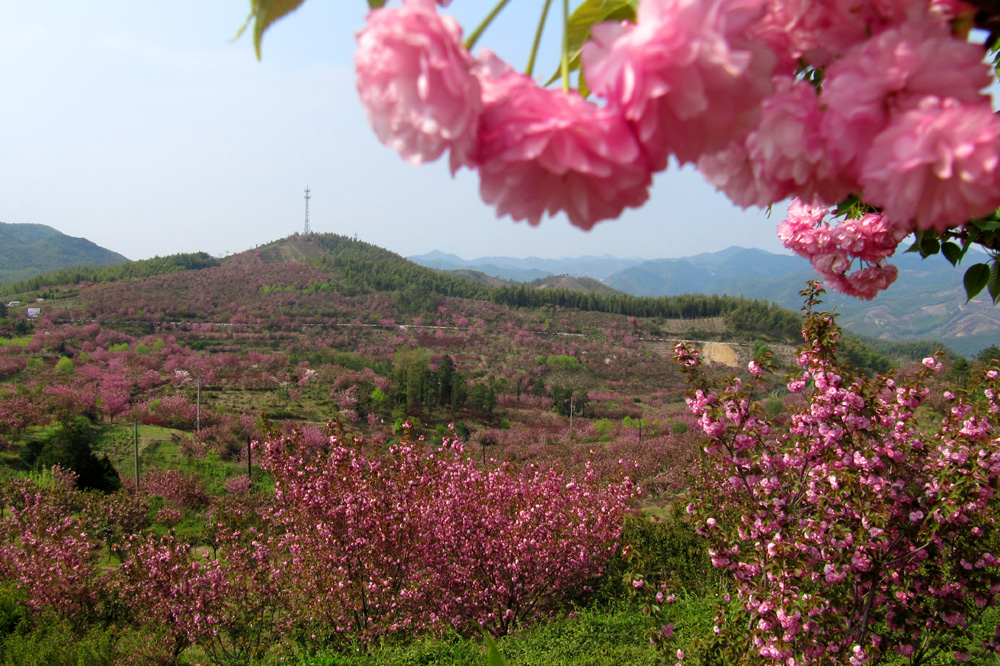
862	531
833	250
229	606
818	100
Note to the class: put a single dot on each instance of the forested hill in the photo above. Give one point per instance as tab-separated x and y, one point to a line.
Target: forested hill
27	250
132	270
357	267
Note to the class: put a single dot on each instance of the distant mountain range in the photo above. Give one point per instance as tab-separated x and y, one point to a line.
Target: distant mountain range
927	302
27	250
531	268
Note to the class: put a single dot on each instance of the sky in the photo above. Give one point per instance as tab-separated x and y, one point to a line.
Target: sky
143	127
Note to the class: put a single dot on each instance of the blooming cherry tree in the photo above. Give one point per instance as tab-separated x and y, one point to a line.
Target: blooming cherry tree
863	530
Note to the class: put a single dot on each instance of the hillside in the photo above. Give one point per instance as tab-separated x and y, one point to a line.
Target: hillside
27	250
571	283
324	276
926	303
172	375
530	268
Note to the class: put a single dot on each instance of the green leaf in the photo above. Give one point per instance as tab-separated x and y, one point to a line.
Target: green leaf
376	4
493	655
952	252
586	16
994	284
847	205
592	12
918	238
975	280
929	245
264	13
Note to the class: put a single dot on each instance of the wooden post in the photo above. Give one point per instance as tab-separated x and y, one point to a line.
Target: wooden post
198	408
135	440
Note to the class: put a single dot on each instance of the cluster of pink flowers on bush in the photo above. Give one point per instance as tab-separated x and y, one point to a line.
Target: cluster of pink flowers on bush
862	532
416	540
900	118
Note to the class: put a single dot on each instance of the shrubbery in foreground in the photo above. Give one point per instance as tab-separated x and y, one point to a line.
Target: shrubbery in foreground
865	529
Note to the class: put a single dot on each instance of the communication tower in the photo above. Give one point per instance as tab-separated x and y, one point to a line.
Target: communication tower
307	210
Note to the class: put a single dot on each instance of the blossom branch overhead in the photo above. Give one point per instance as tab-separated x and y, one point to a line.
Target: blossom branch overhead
876	112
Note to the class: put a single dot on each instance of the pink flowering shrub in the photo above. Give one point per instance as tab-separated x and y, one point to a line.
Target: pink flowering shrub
412	541
860	533
163	587
114	518
242	603
180	490
47	551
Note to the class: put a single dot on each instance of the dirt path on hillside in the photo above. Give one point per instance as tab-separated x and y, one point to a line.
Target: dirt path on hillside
722	353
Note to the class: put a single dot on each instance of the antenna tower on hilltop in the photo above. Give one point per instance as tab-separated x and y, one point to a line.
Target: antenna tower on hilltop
307	210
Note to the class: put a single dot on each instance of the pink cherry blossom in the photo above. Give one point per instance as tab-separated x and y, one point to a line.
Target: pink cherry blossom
684	76
804	230
415	81
936	165
866	283
891	73
544	151
788	147
833	250
819	31
872	237
731	171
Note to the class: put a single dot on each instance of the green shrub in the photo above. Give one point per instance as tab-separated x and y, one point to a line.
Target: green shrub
678	427
54	643
70	445
774	407
661	549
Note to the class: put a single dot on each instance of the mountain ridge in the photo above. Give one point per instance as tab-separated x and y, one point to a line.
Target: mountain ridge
28	250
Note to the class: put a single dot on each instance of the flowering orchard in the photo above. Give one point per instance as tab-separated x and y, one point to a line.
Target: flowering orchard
352	546
872	115
862	531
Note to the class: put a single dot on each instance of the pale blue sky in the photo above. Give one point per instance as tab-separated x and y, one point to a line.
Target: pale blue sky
138	125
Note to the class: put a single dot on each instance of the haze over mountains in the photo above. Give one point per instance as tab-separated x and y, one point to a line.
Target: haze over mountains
927	302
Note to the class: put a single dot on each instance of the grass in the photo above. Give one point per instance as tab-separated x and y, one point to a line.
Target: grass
594	637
